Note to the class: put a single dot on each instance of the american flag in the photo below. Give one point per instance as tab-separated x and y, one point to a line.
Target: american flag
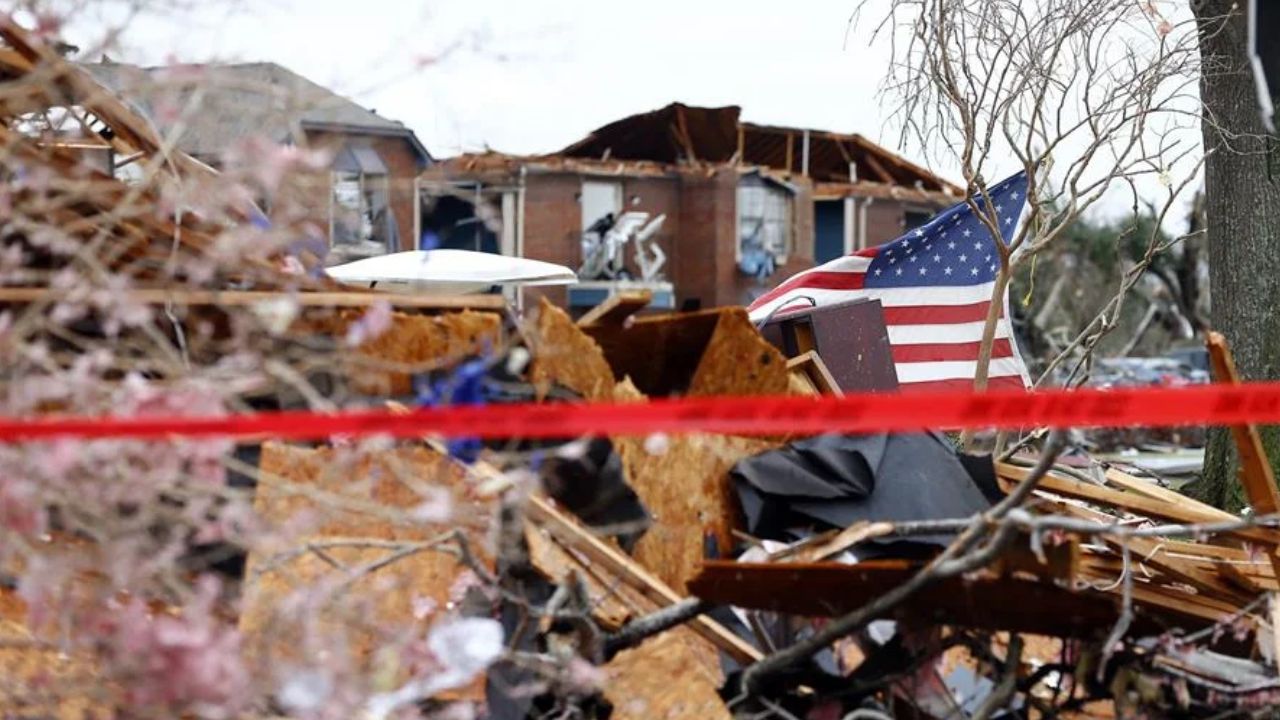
935	285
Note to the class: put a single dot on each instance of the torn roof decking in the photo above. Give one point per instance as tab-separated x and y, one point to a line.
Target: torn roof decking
680	133
500	170
679	139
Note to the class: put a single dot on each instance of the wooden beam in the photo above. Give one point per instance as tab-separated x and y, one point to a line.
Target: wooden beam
241	298
617	308
878	169
790	150
1154	491
1255	469
1131	502
742	144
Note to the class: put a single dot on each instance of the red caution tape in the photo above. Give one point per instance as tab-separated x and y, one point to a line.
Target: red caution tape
1152	407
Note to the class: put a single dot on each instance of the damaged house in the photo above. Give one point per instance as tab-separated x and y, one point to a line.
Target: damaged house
363	200
741	205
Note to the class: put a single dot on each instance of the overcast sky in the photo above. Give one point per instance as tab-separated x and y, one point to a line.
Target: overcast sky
535	75
528	76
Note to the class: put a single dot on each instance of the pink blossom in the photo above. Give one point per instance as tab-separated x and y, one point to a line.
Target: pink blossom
177	661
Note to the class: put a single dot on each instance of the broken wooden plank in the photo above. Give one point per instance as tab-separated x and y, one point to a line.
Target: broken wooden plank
1154	491
572	534
1131	502
1255	470
841	541
617	308
815	373
832	589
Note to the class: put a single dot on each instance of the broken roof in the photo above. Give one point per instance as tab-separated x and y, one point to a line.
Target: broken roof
681	133
239	100
497	167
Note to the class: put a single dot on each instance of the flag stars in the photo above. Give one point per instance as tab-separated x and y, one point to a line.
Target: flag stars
946	271
878	271
951	245
937	258
977	246
973	271
913	258
964	258
898	271
1008	221
967	233
924	270
919	232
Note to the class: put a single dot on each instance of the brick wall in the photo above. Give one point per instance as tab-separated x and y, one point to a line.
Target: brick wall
699	235
884	221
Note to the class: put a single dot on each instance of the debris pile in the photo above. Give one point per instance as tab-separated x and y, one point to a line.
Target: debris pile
617	576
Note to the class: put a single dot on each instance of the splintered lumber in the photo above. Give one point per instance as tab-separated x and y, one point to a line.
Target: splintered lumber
1130	502
563	355
617	308
570	533
248	298
833	589
663	679
1147	551
1152	490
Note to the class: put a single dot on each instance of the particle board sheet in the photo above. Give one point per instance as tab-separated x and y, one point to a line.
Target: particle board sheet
659	353
564	355
38	680
313	497
385	364
738	361
664	678
683	481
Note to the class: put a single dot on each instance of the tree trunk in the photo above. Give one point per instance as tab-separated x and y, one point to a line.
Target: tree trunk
1242	210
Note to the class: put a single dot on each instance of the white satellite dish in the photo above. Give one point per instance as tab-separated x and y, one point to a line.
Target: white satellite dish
449	272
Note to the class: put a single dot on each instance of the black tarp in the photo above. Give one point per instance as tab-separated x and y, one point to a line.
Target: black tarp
833	481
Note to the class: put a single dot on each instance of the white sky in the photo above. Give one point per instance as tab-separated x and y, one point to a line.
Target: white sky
535	75
528	76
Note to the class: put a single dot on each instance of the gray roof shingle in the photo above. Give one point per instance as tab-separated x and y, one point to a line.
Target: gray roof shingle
237	101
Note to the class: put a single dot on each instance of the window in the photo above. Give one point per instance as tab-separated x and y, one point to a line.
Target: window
361	223
764	219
